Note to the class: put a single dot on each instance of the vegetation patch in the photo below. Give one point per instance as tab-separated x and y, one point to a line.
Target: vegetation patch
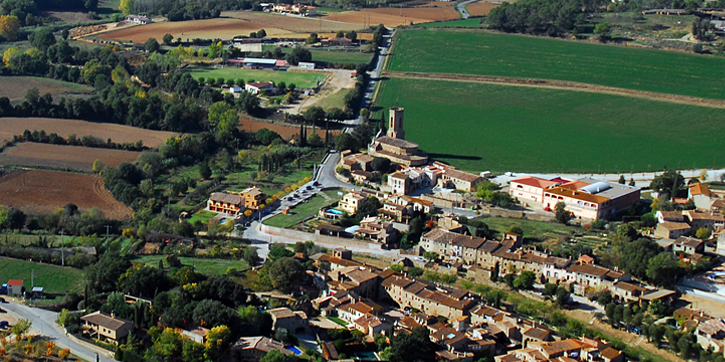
510	128
484	53
304	210
206	266
301	80
55	279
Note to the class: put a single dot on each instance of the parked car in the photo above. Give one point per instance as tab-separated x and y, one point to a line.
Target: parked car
4	324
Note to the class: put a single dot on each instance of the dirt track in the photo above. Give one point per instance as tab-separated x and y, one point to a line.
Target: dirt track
558	84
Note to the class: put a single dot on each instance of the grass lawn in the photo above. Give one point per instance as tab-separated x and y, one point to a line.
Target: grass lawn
335	100
485	53
203	216
330	56
303	210
55	279
302	80
462	23
500	128
532	228
338	321
204	266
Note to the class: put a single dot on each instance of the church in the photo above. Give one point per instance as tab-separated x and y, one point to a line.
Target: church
393	145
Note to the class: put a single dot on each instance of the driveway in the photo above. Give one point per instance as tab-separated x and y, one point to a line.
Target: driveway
44	325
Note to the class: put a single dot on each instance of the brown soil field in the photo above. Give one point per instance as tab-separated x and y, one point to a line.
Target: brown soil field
392	17
69	16
480	8
70	157
15	88
12	126
223	28
287	132
44	191
295	24
424	3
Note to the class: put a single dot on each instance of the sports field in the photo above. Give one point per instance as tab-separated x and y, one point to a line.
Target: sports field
480	127
302	80
318	55
484	53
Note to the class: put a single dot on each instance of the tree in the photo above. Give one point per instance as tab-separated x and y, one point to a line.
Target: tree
340	34
415	272
663	269
42	39
21	327
622	180
312	39
168	38
251	256
604	298
151	45
248	102
702	233
277	356
285	273
525	280
603	31
256	322
345	141
261	33
211	313
515	229
413	347
204	169
562	297
561	214
431	255
550	289
352	35
143	281
9	27
217	340
192	352
103	276
495	272
223	119
669	183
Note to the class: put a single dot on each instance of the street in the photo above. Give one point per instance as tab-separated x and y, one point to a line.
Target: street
461	7
44	325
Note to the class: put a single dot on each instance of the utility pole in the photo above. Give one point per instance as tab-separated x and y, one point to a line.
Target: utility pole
108	227
62	250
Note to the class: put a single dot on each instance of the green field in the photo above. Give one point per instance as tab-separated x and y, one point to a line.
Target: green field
461	23
304	210
330	56
204	266
480	127
302	80
55	279
485	53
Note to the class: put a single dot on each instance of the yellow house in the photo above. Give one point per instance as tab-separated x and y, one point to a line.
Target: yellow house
105	327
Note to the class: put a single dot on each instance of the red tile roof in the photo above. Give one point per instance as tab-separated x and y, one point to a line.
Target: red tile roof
15	282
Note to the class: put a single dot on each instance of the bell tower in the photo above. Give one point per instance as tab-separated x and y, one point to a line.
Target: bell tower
395	123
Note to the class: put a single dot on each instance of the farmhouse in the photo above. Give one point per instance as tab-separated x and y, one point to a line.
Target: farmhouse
106	327
259	87
688	245
393	145
253	197
299	9
427	298
285	318
351	201
399	183
251	349
671	229
236	203
138	19
460	180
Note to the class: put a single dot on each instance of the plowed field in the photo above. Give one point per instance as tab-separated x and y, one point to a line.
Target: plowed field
293	23
15	88
392	17
12	126
480	8
64	157
44	191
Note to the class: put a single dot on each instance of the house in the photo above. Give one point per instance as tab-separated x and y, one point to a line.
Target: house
232	204
197	334
688	245
355	279
587	275
106	327
588	198
351	201
537	335
345	42
673	216
395	212
700	194
710	334
15	287
428	298
627	291
671	230
370	325
460	180
399	183
363	176
379	231
470	249
252	349
698	220
292	321
306	65
393	145
299	9
356	161
529	188
259	87
253	197
138	19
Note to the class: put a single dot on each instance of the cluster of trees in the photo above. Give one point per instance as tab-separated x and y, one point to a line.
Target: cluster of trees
73	140
176	10
359	138
553	18
488	191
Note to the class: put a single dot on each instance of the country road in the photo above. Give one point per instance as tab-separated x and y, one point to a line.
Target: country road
461	7
44	325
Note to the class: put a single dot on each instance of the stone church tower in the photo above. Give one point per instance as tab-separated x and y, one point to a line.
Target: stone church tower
395	124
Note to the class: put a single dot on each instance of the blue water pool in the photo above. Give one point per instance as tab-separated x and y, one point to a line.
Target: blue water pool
366	356
294	349
337	212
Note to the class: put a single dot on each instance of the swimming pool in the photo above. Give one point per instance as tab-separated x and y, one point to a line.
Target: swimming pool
294	350
336	212
366	356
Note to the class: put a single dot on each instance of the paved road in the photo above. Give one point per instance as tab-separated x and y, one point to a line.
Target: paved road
461	7
44	324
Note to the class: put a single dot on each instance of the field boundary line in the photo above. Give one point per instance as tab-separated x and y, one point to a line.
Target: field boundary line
560	84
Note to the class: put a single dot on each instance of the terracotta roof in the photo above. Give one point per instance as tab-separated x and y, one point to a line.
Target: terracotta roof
537	333
460	175
226	198
535	182
104	320
260	343
629	287
711	327
260	84
15	282
339	261
568	345
672	215
590	269
252	191
670	225
610	353
398	175
699	189
688	242
575	194
361	275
